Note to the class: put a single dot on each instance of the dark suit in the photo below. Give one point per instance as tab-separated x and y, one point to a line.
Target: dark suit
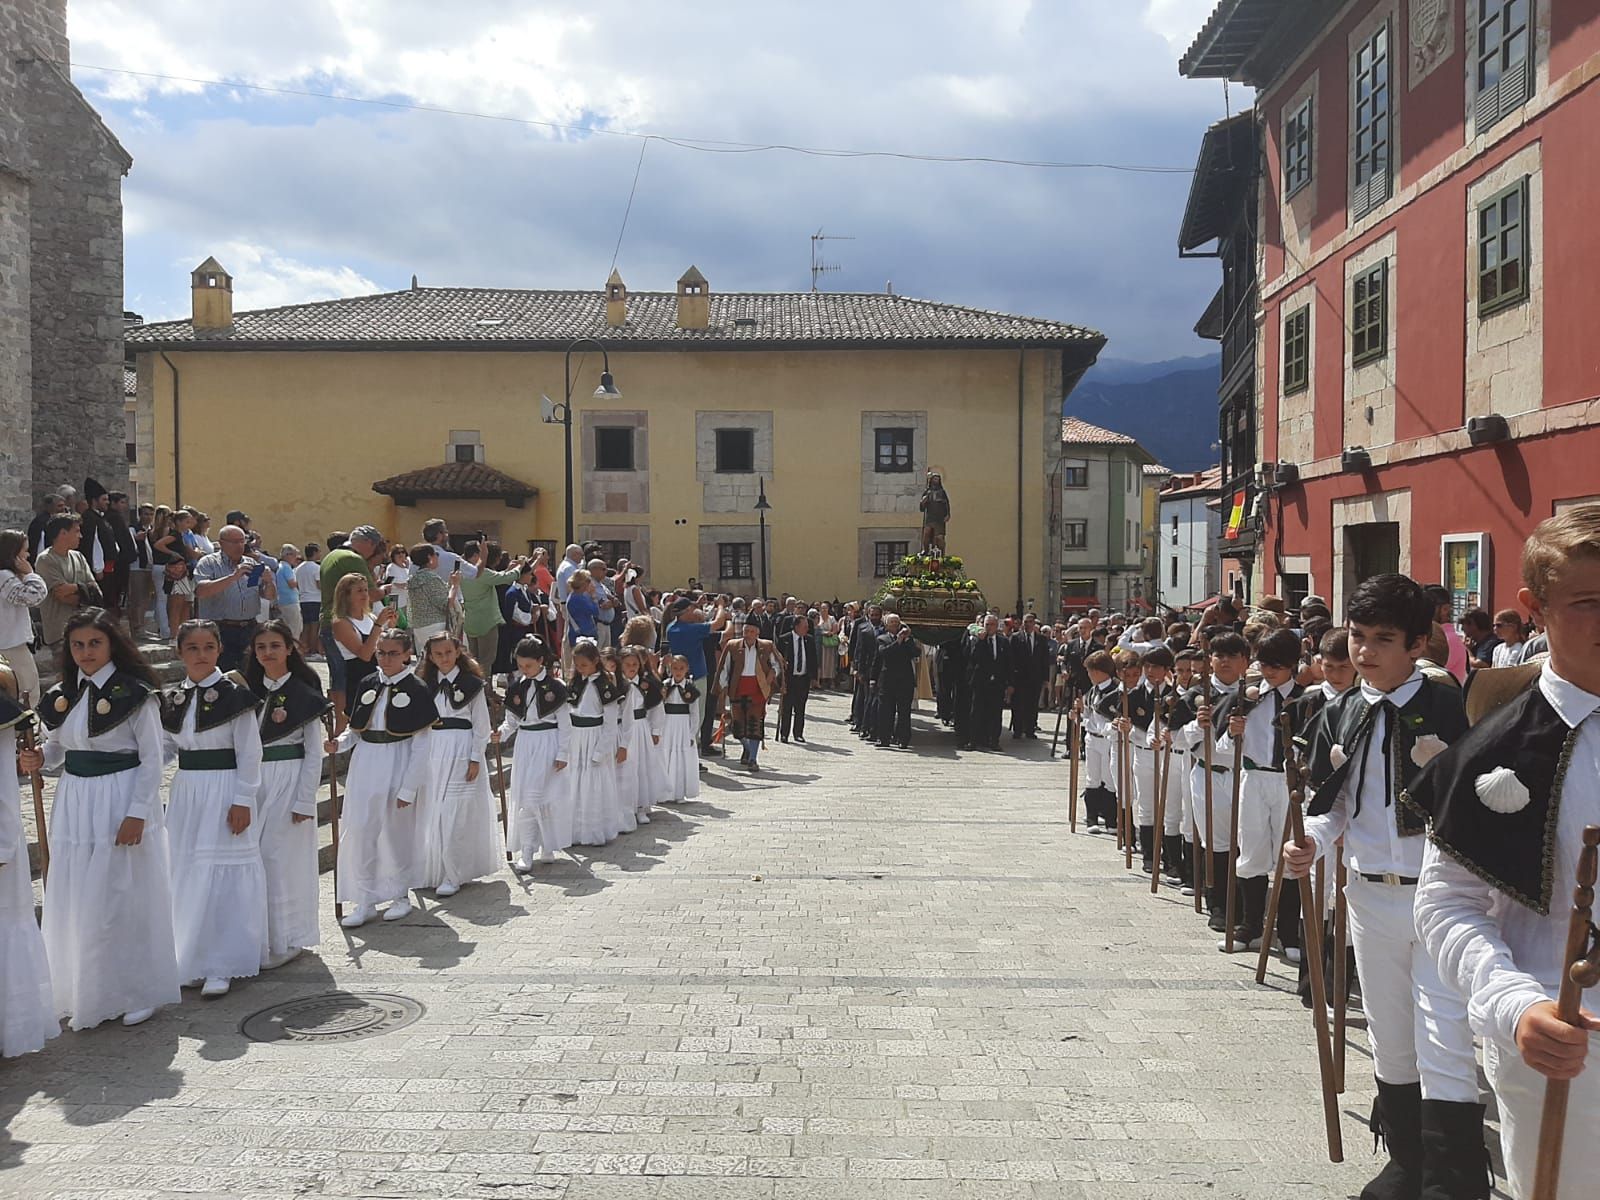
1030	670
988	673
800	655
895	675
863	650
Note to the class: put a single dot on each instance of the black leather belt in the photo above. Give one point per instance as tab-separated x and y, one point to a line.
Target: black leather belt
452	723
1389	877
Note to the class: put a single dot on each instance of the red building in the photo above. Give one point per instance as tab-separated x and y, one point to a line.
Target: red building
1427	311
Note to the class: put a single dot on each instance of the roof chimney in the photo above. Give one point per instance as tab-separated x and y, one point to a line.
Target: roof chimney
616	301
694	300
213	296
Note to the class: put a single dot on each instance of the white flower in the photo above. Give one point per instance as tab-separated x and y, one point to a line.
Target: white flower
1501	791
1337	756
1427	748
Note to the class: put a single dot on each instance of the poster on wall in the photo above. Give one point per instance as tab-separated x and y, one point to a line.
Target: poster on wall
1464	567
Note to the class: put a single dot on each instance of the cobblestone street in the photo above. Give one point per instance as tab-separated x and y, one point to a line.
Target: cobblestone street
859	973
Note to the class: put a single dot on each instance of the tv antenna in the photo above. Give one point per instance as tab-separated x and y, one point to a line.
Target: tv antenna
819	267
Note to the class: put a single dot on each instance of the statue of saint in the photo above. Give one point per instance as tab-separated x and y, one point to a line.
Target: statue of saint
935	508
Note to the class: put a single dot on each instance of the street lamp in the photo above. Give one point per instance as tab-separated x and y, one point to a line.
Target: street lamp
762	509
562	412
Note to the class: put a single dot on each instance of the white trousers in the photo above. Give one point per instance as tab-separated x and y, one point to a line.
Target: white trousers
1519	1089
1263	807
1416	1025
1220	824
1179	797
1144	786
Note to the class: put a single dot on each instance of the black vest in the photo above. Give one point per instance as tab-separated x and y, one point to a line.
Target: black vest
546	695
408	705
297	701
460	691
109	706
218	702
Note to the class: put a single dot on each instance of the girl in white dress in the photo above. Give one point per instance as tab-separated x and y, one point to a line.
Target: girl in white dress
680	759
390	714
108	906
458	838
293	708
219	887
643	776
591	710
537	717
620	712
27	1008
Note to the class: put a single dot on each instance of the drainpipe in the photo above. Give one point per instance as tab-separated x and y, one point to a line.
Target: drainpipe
1021	363
177	477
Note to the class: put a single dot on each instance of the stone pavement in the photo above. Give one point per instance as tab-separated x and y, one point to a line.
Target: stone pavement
860	973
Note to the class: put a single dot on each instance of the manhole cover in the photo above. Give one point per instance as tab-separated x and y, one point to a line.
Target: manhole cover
332	1017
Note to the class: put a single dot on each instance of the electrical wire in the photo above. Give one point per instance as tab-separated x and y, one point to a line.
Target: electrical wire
639	166
699	145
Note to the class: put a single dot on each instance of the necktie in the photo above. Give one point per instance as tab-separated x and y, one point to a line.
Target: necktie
799	655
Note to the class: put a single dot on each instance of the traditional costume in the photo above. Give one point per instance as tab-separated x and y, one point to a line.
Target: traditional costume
389	719
641	780
1509	803
108	908
1215	824
219	887
1101	707
458	838
1142	703
291	772
541	797
591	704
681	763
27	1008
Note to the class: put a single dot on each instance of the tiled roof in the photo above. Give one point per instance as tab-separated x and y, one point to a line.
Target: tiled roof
1156	469
130	381
506	318
1080	433
1204	483
456	481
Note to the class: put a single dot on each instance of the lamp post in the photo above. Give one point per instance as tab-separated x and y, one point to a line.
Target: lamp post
562	412
762	508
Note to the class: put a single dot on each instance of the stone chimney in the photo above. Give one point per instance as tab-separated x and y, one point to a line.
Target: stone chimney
694	300
213	296
616	301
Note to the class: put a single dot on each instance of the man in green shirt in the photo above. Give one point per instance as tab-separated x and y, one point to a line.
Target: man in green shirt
355	557
482	607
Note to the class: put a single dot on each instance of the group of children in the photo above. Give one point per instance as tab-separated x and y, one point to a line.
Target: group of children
1460	845
220	881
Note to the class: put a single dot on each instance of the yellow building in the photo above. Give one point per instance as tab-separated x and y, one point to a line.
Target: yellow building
397	407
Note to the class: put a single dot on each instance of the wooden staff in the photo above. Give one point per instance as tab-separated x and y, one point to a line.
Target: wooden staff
1313	951
1242	709
1270	921
1163	768
1125	788
1205	736
28	732
333	812
1341	985
1074	742
505	819
1582	970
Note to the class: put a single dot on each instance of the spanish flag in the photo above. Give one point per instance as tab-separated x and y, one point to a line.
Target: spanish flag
1236	519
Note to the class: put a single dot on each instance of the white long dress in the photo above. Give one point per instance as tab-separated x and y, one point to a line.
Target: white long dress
289	849
376	834
458	828
642	780
219	886
679	757
540	795
626	773
108	908
593	772
27	1008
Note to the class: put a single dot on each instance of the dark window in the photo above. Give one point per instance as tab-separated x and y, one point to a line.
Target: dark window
614	552
1503	249
1369	314
131	449
1505	74
465	453
1075	473
735	561
613	448
736	451
1174	572
1297	149
886	557
1373	172
1079	589
1297	351
1075	535
894	450
1174	529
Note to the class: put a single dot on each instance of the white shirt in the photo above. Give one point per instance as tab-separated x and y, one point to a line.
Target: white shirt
17	595
563	579
1508	655
445	562
1500	954
799	659
308	578
1372	841
1260	730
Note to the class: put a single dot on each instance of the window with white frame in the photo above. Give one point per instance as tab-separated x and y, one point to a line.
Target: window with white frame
1075	535
1075	472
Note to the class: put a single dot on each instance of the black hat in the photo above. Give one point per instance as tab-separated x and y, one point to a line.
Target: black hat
92	490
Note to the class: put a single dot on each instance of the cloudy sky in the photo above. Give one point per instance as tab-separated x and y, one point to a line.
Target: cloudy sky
306	198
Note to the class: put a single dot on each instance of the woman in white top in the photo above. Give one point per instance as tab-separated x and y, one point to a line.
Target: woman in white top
398	573
108	909
219	886
458	837
21	589
27	1008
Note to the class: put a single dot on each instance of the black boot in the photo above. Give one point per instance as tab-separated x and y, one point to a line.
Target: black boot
1397	1119
1147	846
1455	1161
1253	892
1217	893
1172	858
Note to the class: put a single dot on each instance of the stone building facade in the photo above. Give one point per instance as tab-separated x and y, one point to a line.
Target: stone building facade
61	169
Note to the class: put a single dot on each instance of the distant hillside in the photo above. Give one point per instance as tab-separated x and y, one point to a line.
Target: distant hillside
1172	410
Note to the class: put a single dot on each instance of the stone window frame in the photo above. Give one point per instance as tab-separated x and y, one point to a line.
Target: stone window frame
899	436
740	556
1495	206
461	439
1505	348
886	492
609	491
1081	527
886	558
868	538
1369	314
1296	372
1299	147
728	493
1368	393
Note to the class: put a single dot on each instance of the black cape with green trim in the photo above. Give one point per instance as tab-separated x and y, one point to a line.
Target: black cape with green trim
298	701
219	703
120	698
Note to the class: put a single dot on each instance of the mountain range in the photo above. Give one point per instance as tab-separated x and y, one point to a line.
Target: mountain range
1169	406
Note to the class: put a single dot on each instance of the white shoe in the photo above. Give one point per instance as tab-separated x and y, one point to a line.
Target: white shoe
1187	889
273	961
642	816
192	983
1291	955
445	889
216	987
547	856
358	916
137	1017
1098	829
398	911
520	865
